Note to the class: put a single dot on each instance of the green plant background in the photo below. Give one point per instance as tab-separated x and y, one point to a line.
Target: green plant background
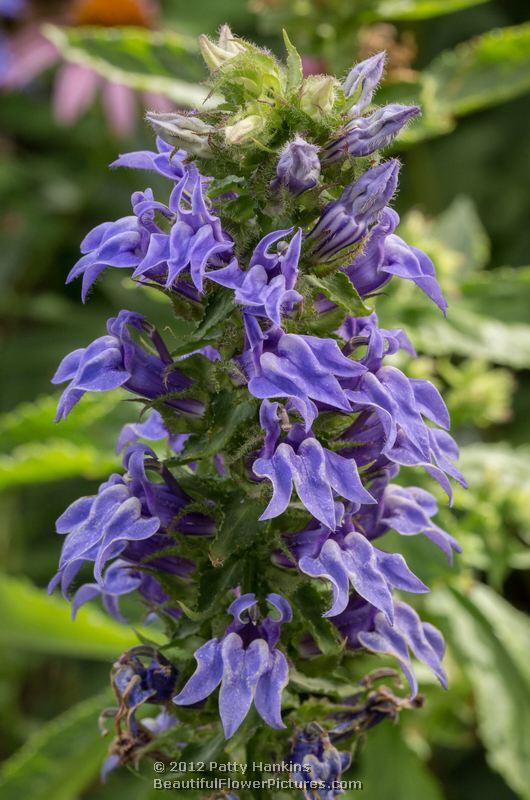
464	198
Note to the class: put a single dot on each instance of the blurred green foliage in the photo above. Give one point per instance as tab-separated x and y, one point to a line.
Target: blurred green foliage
464	199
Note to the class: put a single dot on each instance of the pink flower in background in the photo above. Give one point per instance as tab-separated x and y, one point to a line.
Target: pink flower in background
77	87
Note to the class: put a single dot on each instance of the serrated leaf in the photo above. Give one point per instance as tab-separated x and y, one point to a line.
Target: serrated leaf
295	72
340	290
239	527
228	416
215	582
310	607
61	759
491	640
218	307
163	62
37	623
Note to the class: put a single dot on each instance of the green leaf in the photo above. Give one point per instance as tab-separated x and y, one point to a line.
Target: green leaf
492	640
295	72
62	759
30	422
214	582
218	307
487	318
390	770
228	417
53	461
485	71
340	290
469	334
309	603
162	62
421	9
35	622
239	527
500	293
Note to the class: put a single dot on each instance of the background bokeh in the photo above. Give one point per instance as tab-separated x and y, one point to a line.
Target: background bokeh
464	199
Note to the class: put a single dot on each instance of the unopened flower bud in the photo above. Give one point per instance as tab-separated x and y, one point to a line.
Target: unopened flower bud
347	220
318	94
186	131
363	80
245	129
364	135
298	167
218	53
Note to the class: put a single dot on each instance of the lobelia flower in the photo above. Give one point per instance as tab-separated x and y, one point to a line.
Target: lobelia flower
302	368
399	403
315	471
116	360
247	664
298	167
364	135
196	240
319	762
348	557
346	221
120	244
366	627
409	511
124	577
166	161
362	81
126	511
385	255
152	429
266	289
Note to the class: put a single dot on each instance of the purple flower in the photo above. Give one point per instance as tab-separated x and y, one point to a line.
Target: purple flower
247	664
99	529
346	221
120	244
319	763
373	574
409	512
303	368
362	81
166	161
315	471
399	405
364	135
123	520
385	255
266	289
126	576
196	240
298	167
117	360
152	429
364	626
